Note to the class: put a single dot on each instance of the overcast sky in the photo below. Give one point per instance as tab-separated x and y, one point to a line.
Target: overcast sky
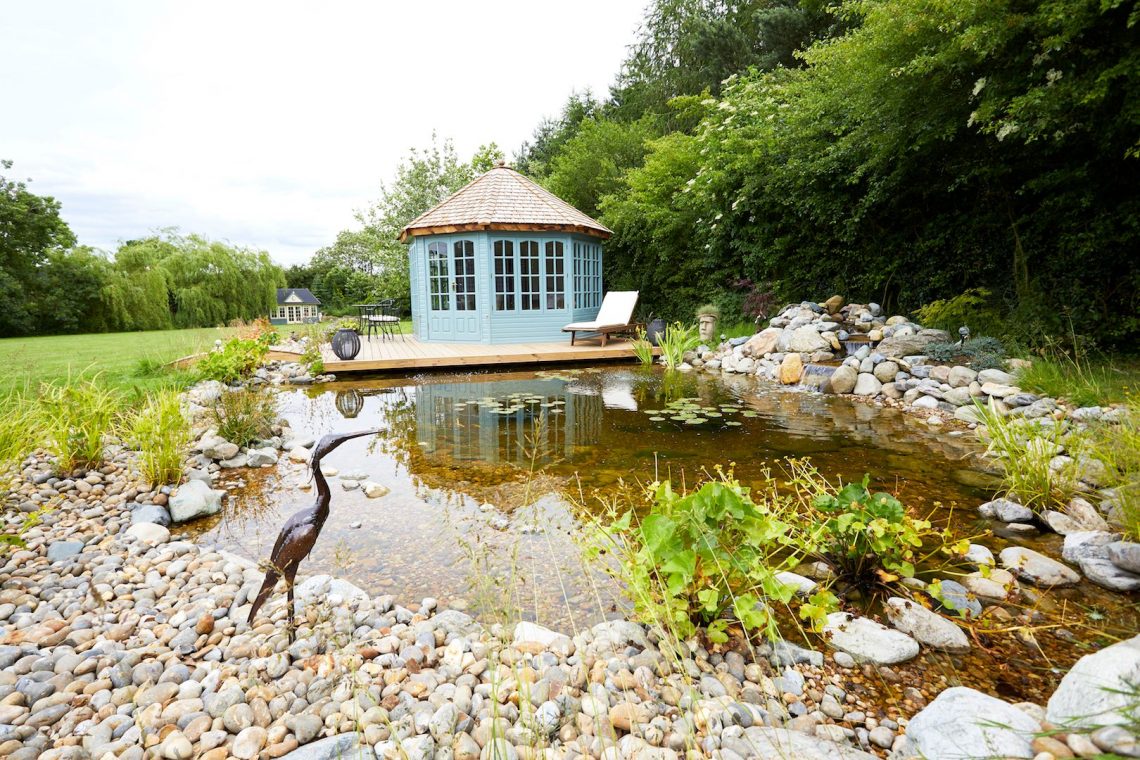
268	123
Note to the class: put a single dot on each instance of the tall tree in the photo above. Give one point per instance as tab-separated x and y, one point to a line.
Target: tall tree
30	230
534	156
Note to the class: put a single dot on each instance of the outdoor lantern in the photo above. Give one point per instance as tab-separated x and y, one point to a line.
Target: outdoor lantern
349	403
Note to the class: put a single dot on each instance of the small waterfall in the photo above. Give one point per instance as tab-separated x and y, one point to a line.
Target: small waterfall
816	376
854	342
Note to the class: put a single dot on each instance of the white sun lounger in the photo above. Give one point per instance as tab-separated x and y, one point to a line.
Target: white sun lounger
615	316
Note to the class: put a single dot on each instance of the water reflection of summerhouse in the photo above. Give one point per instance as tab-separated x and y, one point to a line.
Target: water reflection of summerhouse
506	421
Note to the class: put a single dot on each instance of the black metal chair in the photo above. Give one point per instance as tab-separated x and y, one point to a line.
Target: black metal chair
382	318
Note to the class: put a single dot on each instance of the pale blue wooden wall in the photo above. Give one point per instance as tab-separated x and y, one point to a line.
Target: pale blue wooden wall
518	326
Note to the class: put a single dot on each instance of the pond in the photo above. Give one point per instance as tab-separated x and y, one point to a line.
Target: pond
483	469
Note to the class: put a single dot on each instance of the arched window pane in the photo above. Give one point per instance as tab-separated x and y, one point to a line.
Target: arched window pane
504	254
555	275
530	276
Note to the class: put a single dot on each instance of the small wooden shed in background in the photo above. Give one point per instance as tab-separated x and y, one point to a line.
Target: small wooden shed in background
503	260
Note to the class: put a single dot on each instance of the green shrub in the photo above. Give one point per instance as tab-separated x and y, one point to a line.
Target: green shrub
311	358
244	415
976	309
239	358
977	353
74	418
675	342
695	558
160	432
867	538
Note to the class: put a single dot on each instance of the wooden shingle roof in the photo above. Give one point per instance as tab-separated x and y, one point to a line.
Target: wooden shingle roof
503	199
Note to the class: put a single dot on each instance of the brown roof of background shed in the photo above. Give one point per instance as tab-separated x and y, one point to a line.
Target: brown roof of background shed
503	199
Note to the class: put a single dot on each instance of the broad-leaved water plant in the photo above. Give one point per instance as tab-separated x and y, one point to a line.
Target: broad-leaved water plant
701	560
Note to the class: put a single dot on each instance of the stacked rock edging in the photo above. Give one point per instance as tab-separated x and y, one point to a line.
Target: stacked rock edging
856	350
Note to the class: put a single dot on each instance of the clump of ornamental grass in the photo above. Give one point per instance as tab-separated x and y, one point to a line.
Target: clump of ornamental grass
675	342
74	418
1026	451
244	415
18	431
160	432
643	349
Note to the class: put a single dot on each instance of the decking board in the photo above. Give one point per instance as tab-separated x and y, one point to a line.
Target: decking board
406	353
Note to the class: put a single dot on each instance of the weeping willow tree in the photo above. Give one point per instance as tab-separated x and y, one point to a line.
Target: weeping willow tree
136	294
213	283
170	280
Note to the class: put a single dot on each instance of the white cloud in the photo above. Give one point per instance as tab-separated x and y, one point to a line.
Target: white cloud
268	123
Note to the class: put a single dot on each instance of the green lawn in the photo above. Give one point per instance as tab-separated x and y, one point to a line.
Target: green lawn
125	360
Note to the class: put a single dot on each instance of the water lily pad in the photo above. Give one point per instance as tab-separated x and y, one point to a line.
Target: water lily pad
695	420
656	419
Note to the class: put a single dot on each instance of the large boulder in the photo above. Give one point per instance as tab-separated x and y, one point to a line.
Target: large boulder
867	385
1125	555
150	513
764	741
1087	543
868	641
844	378
215	447
995	376
333	748
1006	510
763	342
927	627
807	339
1100	690
791	369
833	304
1036	568
898	346
194	499
1104	573
961	377
261	457
963	723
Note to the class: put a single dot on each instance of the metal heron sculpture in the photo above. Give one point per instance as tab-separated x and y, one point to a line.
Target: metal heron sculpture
301	530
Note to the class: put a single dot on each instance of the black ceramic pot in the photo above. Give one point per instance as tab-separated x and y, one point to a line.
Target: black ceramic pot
346	344
654	329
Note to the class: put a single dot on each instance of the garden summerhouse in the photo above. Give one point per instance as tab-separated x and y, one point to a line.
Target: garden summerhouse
503	260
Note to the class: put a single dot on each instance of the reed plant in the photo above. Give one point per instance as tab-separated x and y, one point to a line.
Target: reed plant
643	349
677	340
160	431
244	415
74	418
1025	450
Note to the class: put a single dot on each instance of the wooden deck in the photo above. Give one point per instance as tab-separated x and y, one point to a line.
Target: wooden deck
406	353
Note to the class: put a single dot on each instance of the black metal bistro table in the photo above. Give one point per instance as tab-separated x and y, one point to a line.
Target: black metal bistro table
380	317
